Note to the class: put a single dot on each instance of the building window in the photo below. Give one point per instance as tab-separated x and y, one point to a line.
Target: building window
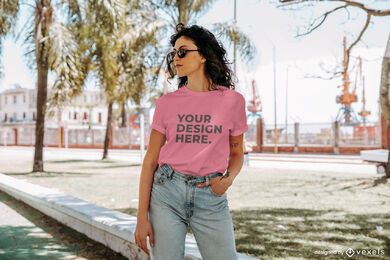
85	116
15	99
100	118
24	98
5	117
34	116
75	116
24	115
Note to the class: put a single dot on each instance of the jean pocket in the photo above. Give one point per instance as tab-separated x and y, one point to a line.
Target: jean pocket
159	177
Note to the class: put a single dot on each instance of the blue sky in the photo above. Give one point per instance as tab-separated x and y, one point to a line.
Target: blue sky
309	99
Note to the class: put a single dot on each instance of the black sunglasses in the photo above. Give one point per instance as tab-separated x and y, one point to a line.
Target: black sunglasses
181	53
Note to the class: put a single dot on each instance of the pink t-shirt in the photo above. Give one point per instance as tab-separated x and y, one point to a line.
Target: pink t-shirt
197	126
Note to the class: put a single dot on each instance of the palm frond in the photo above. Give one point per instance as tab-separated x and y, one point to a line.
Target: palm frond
8	15
65	62
232	34
200	7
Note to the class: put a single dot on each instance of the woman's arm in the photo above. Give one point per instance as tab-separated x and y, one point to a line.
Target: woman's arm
236	157
149	165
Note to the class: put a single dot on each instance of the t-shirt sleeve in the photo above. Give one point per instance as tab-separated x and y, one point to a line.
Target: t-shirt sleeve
158	120
239	118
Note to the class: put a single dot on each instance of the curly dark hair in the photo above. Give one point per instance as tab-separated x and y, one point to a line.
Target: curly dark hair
216	69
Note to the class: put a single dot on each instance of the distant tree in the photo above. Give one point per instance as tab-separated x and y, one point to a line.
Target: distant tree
345	5
119	34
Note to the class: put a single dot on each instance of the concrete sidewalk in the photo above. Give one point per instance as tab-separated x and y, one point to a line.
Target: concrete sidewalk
126	153
28	234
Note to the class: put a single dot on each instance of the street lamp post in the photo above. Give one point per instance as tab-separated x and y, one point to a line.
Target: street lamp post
275	113
234	43
285	136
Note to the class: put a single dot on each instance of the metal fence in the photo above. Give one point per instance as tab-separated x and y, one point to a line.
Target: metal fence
322	134
360	136
298	134
251	134
82	136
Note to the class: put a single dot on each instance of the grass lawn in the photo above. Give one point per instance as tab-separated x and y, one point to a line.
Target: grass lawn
308	234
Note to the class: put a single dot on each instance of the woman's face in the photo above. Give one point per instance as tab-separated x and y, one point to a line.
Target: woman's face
192	61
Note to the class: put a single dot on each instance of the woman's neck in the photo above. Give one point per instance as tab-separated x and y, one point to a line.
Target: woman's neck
198	83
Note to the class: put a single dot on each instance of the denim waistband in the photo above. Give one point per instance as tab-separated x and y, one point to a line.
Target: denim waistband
169	172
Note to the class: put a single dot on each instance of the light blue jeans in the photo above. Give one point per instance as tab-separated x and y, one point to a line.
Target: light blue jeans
177	203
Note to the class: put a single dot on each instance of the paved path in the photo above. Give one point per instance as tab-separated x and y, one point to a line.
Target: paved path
28	234
329	162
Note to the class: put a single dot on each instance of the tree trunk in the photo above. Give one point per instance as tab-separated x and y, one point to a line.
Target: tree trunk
123	116
42	27
388	165
40	123
385	85
107	139
384	97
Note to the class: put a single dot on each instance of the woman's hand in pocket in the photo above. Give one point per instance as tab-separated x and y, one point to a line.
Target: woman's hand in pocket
218	185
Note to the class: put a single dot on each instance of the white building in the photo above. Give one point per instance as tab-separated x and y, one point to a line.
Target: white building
18	106
88	109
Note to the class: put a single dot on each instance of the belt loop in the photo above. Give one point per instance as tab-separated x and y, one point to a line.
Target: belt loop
170	171
207	180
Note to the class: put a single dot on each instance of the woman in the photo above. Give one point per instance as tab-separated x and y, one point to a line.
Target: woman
195	152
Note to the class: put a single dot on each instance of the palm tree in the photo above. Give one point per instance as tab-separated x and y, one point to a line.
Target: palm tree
120	33
50	47
137	47
112	37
